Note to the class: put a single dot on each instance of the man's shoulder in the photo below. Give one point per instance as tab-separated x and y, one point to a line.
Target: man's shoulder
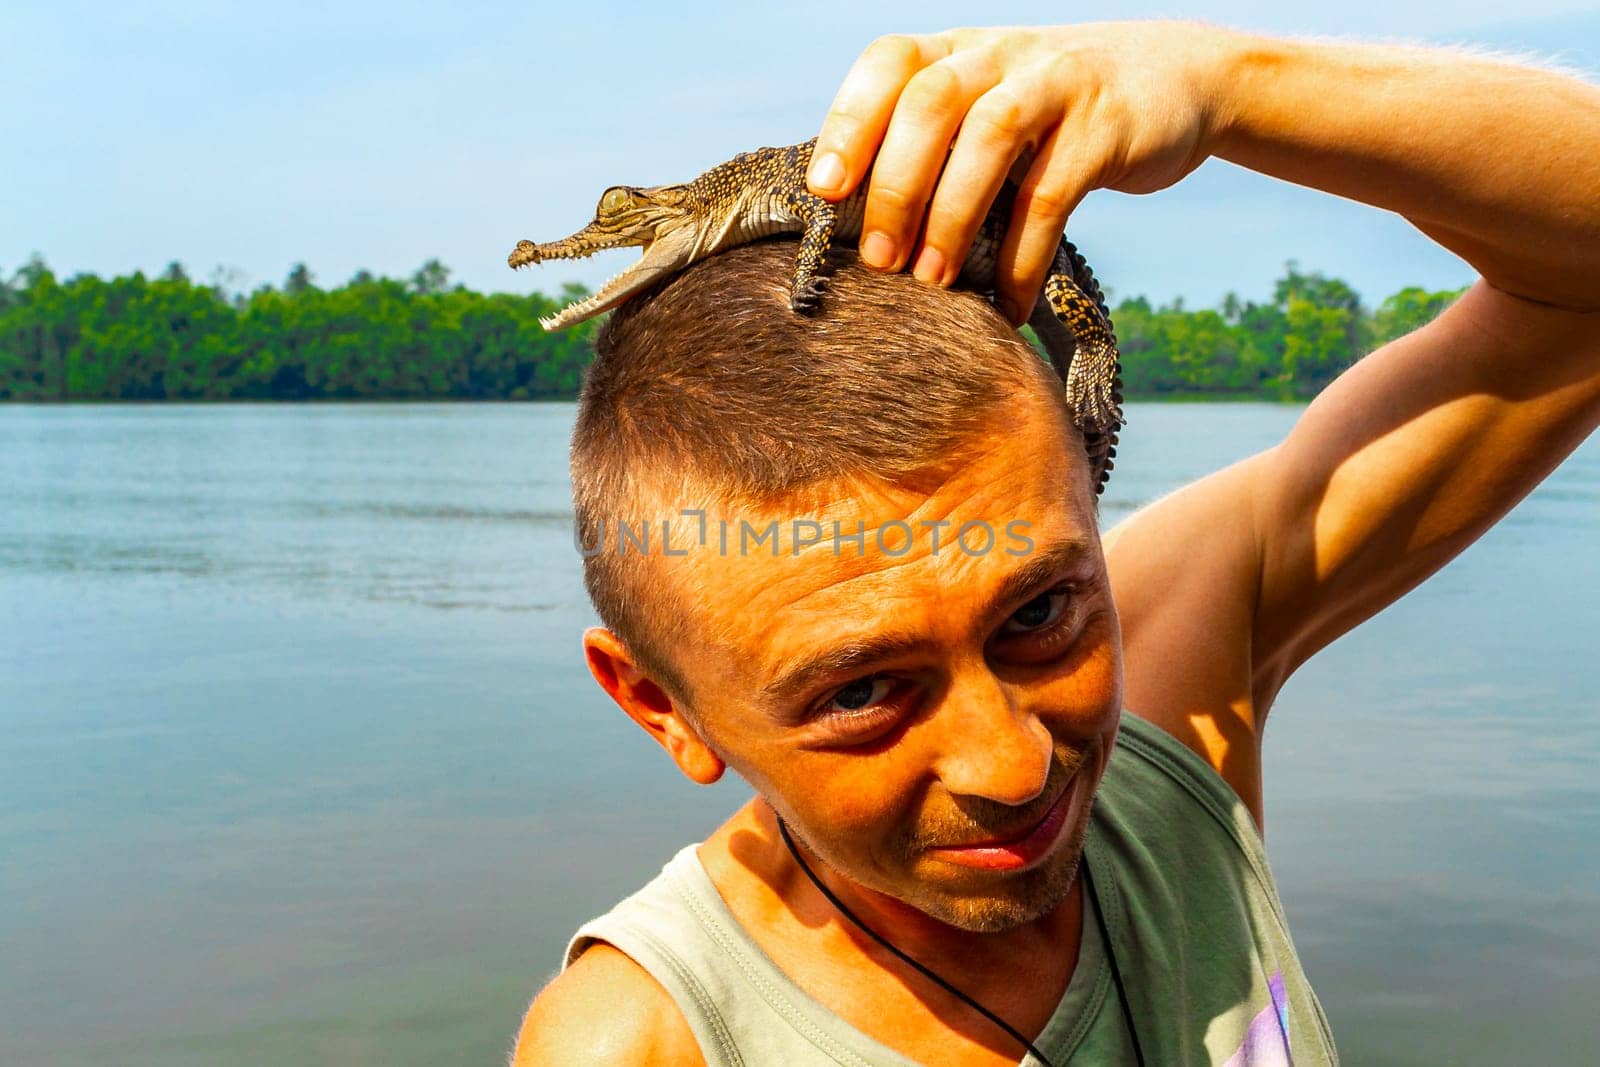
604	1009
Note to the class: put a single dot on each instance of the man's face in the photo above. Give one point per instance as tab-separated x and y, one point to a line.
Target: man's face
931	719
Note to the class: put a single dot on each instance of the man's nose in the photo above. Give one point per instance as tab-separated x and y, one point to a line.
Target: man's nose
990	745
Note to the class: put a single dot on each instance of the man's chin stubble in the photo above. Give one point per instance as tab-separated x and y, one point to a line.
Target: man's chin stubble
1025	897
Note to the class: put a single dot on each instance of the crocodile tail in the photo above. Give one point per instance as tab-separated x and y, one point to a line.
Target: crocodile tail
1094	379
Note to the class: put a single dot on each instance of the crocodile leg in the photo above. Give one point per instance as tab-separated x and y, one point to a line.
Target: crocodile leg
1072	323
819	217
1058	342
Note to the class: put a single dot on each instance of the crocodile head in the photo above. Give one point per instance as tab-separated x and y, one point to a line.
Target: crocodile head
661	219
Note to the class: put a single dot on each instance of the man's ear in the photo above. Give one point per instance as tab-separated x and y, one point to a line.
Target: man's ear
649	705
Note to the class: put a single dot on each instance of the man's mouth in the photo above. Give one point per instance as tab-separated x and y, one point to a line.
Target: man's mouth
1022	849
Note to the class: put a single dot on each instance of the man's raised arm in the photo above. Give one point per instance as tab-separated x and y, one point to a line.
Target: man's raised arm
1416	451
1406	458
1497	162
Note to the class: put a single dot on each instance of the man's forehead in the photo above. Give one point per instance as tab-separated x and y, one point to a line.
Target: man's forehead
921	565
774	581
750	580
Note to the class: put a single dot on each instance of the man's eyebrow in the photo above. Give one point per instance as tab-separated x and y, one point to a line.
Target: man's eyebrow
833	661
1042	569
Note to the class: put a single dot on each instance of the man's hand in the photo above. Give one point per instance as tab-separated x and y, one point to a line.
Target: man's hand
1126	106
1493	160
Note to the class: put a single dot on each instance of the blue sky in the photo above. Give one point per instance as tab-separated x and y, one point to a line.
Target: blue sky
366	135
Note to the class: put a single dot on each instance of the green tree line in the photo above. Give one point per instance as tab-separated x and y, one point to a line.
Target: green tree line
1287	348
169	338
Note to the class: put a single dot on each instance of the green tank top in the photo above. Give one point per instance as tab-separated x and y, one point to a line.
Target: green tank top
1188	900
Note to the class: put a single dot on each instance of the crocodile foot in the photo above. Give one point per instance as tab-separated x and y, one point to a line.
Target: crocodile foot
807	297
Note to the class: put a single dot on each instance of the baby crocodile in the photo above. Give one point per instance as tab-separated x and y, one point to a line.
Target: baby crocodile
762	193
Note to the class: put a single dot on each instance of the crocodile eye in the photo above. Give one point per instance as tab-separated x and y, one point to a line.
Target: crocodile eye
614	199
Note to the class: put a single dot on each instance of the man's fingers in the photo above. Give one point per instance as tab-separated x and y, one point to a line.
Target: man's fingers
914	151
1001	127
1058	180
860	112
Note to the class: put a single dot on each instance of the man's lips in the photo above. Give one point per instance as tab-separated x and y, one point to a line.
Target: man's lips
1019	850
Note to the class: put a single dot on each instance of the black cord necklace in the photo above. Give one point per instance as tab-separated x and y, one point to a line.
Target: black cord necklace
928	973
1111	957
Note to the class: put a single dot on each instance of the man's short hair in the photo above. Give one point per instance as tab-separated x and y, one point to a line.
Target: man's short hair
711	388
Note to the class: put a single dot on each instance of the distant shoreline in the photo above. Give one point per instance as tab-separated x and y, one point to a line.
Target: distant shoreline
168	339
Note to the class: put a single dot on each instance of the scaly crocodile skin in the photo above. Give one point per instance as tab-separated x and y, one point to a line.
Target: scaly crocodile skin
763	193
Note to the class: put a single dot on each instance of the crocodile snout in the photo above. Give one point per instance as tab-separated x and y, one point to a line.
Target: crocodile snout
525	253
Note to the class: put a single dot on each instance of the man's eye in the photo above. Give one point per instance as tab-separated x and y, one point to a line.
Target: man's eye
861	693
1037	613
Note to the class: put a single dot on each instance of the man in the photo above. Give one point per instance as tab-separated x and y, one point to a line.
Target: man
962	847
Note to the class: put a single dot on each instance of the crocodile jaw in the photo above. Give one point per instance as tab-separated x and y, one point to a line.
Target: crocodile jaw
581	245
662	257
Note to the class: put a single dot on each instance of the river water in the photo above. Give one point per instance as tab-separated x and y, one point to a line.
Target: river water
299	761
